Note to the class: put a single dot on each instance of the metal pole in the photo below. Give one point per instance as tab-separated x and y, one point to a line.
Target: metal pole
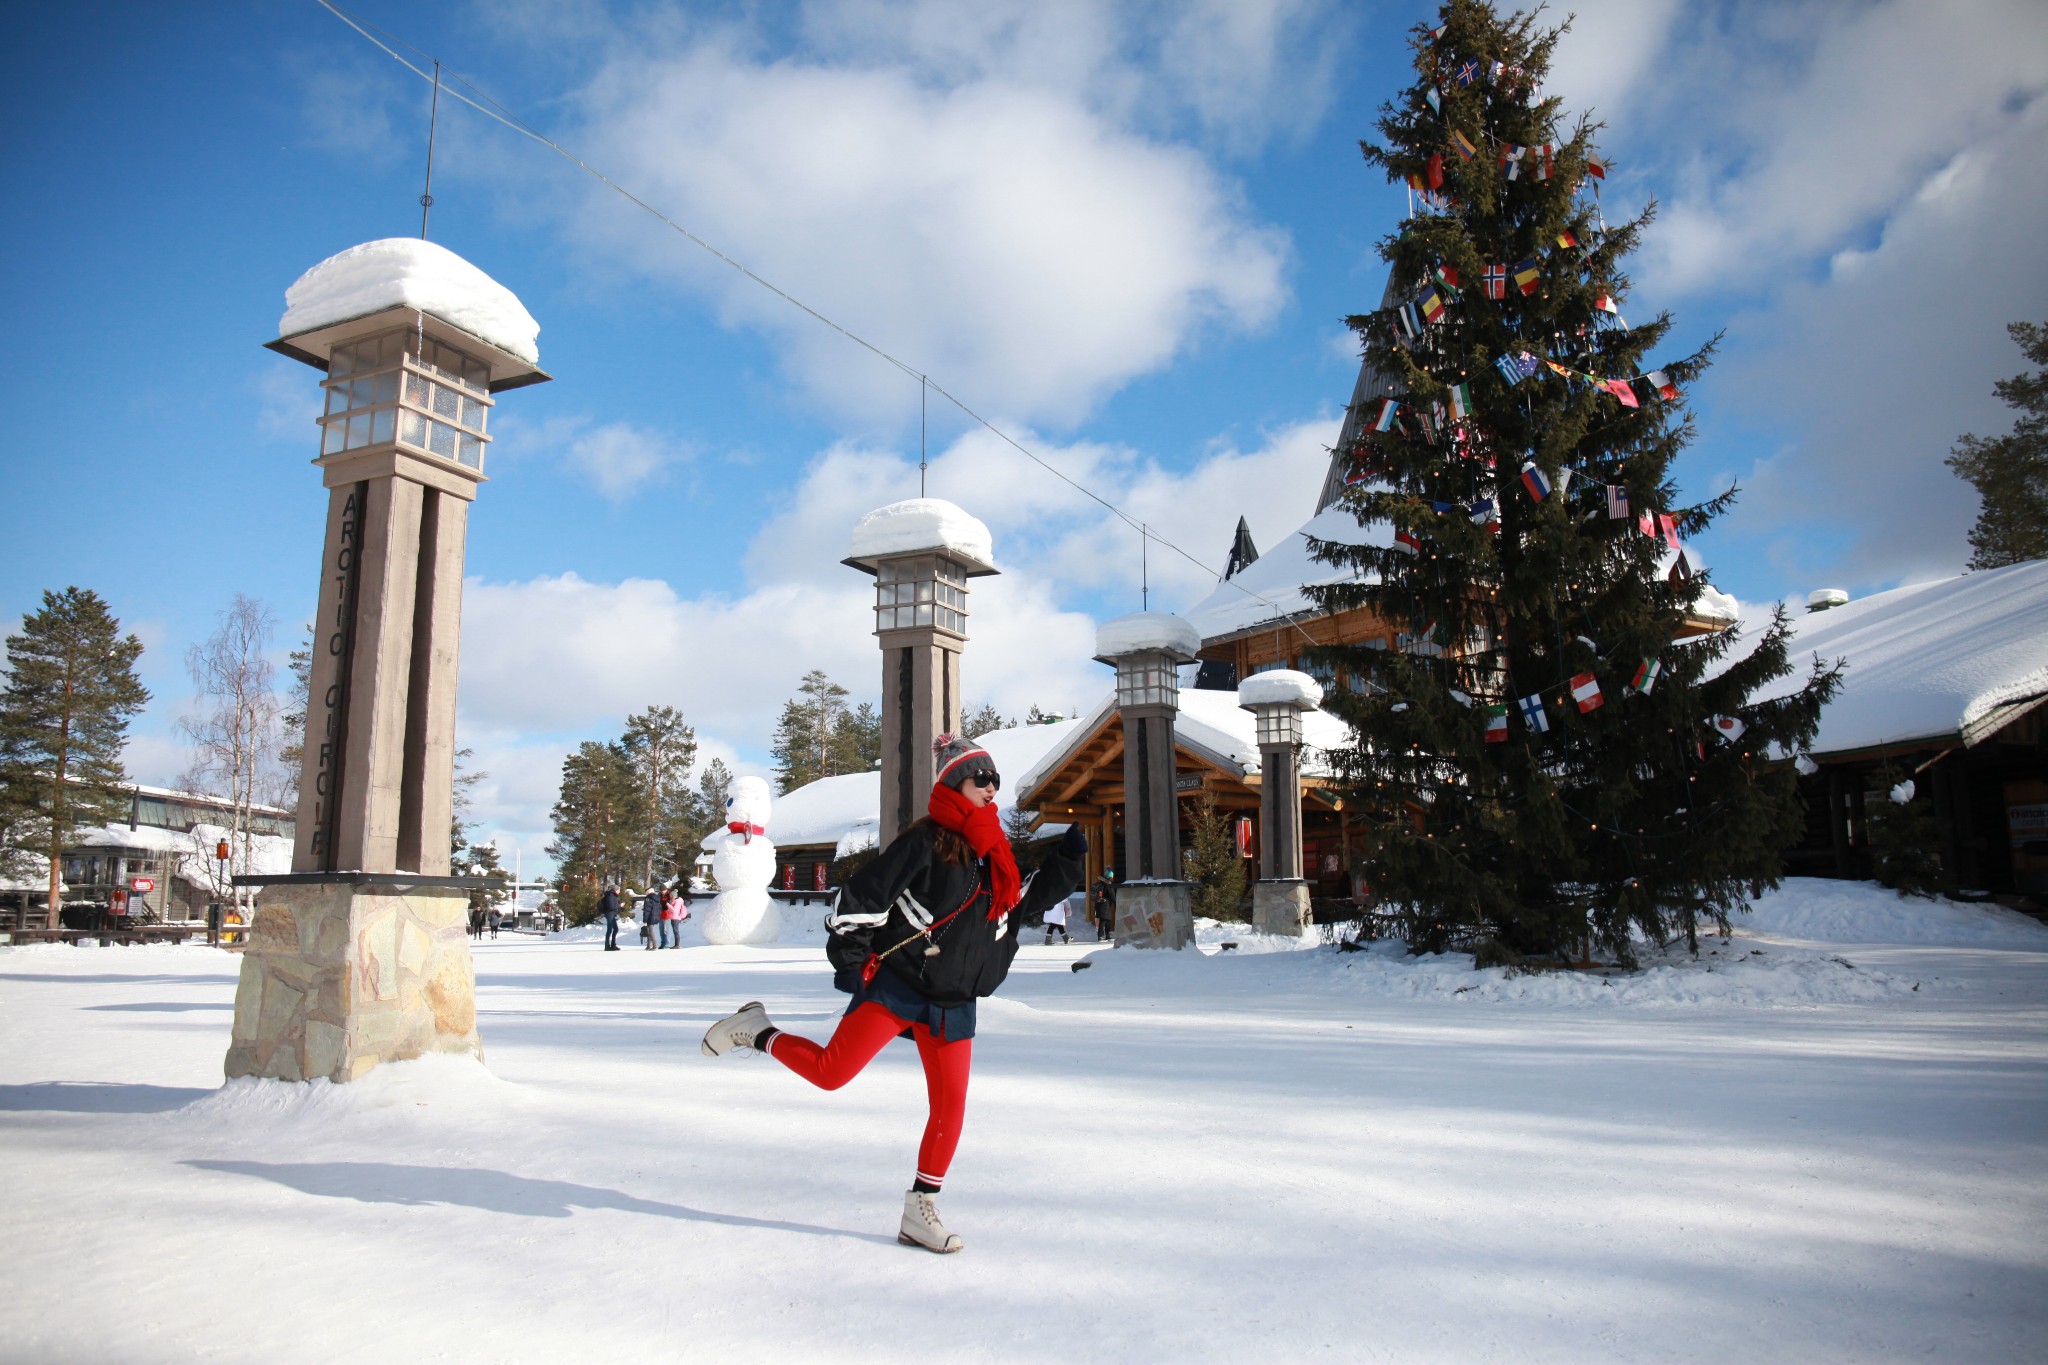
433	117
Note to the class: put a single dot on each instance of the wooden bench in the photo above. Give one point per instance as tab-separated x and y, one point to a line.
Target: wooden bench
48	935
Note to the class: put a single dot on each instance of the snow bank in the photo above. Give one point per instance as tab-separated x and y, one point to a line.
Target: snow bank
1147	630
922	524
1280	685
1862	912
409	273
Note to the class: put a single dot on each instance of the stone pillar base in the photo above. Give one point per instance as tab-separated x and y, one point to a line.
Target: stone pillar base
339	976
1154	914
1280	906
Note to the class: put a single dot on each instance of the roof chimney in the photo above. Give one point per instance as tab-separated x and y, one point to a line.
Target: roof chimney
1820	599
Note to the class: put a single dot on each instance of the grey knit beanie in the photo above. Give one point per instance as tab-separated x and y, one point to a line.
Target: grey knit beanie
959	759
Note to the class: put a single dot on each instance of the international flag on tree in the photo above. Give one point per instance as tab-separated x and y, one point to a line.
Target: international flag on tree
1482	513
1533	714
1509	370
1596	169
1662	525
1566	239
1543	164
1408	540
1448	278
1434	173
1461	401
1411	319
1533	480
1646	675
1468	72
1431	301
1494	280
1564	482
1385	420
1527	275
1586	692
1728	727
1463	699
1415	182
1511	161
1462	145
1617	502
1496	724
1436	101
1606	304
1661	382
1621	389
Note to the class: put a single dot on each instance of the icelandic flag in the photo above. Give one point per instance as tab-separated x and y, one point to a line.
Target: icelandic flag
1468	71
1661	382
1533	480
1496	724
1527	274
1409	541
1617	501
1728	727
1586	692
1494	280
1461	401
1385	420
1432	303
1533	714
1509	369
1646	675
1462	145
1621	389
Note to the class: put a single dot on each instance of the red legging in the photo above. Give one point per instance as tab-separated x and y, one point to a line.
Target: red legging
863	1033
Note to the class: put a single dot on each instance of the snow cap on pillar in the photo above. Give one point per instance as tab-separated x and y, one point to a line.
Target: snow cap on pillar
350	294
1147	632
1280	687
922	526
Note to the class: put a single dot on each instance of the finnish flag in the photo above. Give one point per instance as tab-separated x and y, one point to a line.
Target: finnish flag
1533	714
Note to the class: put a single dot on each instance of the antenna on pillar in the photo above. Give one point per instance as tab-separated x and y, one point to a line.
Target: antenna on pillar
1144	567
921	389
433	117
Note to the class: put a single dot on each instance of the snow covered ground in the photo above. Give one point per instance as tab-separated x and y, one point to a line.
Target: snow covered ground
1826	1140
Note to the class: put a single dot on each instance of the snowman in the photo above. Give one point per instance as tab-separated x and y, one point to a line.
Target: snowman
743	861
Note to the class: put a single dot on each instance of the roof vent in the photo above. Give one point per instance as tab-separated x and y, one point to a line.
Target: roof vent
1820	599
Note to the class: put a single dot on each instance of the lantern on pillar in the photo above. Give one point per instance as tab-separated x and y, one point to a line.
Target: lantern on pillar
921	552
1147	649
1278	699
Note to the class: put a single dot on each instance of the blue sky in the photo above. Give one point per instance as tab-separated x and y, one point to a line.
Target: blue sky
1126	233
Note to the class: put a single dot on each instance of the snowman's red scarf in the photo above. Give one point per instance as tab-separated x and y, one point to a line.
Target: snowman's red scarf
983	832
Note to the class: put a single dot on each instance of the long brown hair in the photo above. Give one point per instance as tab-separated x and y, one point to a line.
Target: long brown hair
949	847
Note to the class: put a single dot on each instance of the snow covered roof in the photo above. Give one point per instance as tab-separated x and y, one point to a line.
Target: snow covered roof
1143	630
1280	685
1210	725
922	524
269	854
1270	589
405	272
1943	661
846	811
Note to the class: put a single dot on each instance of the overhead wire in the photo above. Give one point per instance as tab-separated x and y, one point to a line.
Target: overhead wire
484	104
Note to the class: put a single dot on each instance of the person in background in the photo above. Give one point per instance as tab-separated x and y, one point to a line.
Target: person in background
608	906
1105	906
650	917
671	918
1056	922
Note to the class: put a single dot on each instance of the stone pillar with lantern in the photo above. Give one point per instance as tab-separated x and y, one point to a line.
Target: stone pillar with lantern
360	955
1278	699
921	552
1153	905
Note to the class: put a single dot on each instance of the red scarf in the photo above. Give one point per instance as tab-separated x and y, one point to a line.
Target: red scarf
983	832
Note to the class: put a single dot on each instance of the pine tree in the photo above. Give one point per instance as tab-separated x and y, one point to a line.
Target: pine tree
860	739
2010	472
1213	864
810	740
595	819
71	689
662	750
981	722
1905	837
1518	594
291	721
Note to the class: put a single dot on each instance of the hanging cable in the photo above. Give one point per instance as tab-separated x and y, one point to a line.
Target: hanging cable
492	109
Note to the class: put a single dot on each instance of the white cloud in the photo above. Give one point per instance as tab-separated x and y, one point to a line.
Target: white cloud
1026	251
618	459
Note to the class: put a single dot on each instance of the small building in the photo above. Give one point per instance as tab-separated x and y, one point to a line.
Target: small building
169	840
1945	684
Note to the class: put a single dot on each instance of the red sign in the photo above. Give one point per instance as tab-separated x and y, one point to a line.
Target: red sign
142	884
817	876
789	877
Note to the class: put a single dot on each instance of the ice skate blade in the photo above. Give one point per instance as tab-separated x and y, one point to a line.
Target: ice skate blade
952	1244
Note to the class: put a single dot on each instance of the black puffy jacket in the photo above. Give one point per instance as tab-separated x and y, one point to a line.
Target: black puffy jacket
897	898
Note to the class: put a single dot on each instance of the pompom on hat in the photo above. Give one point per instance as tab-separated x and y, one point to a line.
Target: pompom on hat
959	759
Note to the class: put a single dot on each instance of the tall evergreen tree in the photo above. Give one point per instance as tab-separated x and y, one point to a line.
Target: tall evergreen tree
860	739
662	749
981	722
596	823
1606	805
291	721
71	689
810	739
2010	472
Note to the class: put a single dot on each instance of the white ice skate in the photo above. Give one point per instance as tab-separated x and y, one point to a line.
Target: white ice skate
921	1226
736	1030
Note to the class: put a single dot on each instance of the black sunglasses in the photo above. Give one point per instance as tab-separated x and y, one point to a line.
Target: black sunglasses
986	779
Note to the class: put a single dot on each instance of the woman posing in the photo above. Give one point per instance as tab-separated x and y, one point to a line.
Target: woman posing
918	935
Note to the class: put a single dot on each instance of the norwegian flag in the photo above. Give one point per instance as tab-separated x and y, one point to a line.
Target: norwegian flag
1586	692
1496	724
1533	480
1728	727
1661	382
1533	714
1617	502
1494	280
